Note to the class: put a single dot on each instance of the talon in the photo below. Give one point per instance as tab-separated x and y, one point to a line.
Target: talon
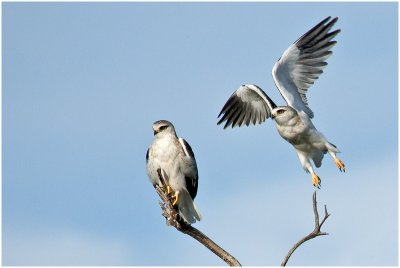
340	164
169	189
316	181
175	198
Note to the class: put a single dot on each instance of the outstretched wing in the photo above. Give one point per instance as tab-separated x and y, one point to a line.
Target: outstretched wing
302	63
248	104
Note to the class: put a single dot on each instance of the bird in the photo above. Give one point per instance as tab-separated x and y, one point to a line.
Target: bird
175	158
294	73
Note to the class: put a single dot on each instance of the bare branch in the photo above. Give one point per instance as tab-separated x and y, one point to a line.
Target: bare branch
316	232
173	219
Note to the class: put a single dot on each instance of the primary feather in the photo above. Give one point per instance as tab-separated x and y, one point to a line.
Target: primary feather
302	63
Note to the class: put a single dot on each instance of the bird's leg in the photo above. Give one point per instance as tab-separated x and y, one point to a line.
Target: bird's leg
175	197
339	164
316	181
164	180
169	189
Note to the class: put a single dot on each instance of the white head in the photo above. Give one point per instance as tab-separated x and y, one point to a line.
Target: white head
283	114
162	128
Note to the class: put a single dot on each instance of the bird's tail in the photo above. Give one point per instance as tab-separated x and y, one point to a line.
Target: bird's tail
332	147
187	209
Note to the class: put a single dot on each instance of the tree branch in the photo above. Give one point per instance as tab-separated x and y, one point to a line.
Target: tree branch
316	232
173	219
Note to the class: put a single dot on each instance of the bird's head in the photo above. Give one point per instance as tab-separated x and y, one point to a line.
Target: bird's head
283	114
163	127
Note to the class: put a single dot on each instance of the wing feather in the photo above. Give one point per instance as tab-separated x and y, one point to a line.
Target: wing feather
303	62
248	104
193	178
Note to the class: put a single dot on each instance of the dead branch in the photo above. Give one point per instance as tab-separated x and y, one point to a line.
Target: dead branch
316	232
173	219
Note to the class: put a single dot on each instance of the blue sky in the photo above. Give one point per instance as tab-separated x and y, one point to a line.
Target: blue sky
83	83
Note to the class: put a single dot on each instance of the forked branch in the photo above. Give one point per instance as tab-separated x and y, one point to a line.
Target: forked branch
173	219
316	232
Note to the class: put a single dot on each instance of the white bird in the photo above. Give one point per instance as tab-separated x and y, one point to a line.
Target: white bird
175	158
294	72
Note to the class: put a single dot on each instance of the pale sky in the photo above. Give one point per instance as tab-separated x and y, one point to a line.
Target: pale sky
83	83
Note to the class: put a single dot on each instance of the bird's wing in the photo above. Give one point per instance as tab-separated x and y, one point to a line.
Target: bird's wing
147	155
248	104
302	63
192	178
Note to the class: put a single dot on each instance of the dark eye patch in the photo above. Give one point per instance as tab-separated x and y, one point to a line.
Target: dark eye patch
163	127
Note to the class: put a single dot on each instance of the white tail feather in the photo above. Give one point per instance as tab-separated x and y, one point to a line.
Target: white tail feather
187	209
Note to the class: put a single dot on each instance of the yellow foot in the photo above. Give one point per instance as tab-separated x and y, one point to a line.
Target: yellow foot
175	198
340	164
169	189
316	181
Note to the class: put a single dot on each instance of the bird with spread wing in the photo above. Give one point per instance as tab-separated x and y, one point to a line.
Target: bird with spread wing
295	71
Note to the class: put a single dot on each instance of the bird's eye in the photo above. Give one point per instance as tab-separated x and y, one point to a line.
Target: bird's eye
281	111
162	128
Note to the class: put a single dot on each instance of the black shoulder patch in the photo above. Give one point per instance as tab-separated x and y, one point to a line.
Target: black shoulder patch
147	155
188	148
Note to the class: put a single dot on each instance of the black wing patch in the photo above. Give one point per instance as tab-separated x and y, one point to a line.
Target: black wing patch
191	186
187	149
191	182
147	155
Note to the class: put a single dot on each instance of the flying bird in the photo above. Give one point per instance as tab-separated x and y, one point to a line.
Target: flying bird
175	158
294	73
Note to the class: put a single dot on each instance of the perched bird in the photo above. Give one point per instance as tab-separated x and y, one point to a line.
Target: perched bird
175	158
294	72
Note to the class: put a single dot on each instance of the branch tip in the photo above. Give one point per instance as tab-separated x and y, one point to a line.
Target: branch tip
316	232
